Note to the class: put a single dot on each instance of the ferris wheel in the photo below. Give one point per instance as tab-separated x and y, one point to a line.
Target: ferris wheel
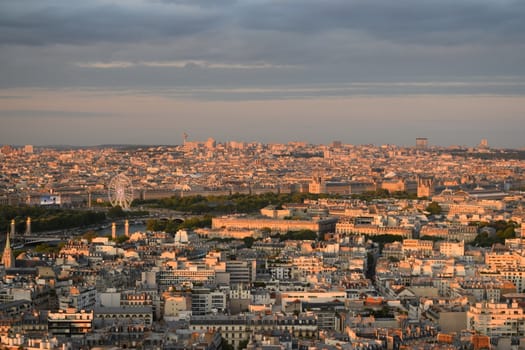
120	191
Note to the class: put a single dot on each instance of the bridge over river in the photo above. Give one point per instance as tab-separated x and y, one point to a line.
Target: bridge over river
136	224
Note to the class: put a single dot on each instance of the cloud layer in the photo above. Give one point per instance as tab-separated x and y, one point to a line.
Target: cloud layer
443	22
52	42
260	50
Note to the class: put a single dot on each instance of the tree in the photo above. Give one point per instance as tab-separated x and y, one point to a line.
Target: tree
508	232
266	230
393	259
171	226
243	344
248	241
484	240
300	235
121	239
154	225
46	248
89	235
225	345
434	208
196	222
116	212
503	230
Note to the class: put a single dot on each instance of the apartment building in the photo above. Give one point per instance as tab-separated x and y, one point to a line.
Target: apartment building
70	323
496	319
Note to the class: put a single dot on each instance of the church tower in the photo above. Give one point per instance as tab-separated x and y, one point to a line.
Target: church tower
7	258
425	186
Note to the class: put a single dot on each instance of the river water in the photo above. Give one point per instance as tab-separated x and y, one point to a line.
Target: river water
106	231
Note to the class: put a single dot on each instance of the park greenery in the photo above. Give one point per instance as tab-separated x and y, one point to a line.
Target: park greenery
48	219
381	240
54	219
251	203
434	208
117	212
248	242
383	194
45	248
89	235
384	312
495	232
172	226
228	204
300	235
225	345
119	239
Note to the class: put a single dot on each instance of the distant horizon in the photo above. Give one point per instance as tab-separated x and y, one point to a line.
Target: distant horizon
116	145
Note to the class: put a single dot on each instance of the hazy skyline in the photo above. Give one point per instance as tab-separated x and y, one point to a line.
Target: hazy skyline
376	71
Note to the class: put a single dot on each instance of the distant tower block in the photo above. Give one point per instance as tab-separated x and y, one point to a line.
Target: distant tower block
114	230
13	228
425	186
337	144
126	228
421	143
28	226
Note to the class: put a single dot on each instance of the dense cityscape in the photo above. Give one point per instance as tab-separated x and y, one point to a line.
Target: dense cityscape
262	175
234	245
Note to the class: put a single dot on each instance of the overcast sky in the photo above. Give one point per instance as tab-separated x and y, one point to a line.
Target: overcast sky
359	71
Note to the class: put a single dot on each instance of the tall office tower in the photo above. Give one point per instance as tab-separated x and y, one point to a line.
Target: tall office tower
28	148
425	186
421	142
13	229
8	258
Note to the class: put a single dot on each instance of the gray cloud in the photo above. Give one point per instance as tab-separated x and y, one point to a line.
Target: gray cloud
434	22
200	3
141	44
425	22
66	22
